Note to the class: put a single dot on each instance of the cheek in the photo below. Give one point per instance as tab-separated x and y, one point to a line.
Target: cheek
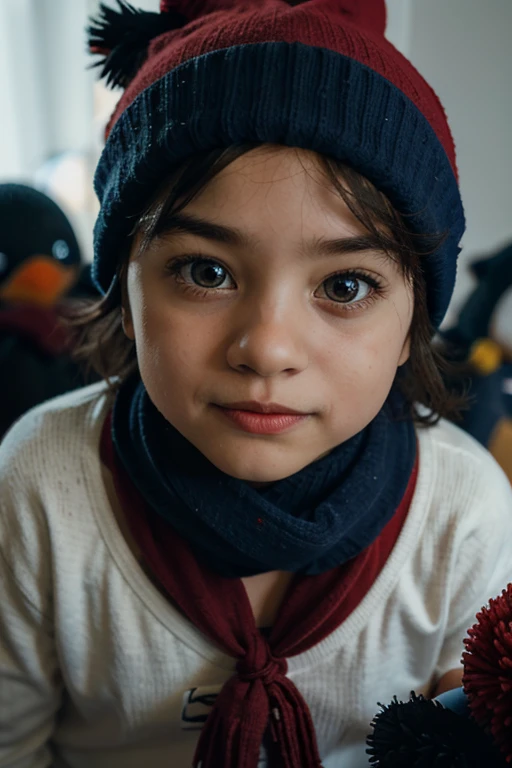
374	348
359	368
173	350
365	365
164	347
151	328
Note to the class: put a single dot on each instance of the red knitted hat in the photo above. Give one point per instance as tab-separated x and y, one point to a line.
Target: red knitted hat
317	74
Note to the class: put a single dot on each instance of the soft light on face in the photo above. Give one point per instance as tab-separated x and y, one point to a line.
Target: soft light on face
260	298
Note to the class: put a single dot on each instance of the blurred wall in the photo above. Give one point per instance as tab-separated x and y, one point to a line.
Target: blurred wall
64	68
23	128
45	82
464	49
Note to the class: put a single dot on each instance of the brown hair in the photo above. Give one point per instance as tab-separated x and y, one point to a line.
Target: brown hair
103	346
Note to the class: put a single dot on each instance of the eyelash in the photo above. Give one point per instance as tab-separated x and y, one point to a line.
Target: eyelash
377	289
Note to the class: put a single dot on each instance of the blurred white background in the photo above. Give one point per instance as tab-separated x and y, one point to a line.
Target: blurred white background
54	111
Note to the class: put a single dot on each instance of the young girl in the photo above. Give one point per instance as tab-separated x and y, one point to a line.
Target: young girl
258	527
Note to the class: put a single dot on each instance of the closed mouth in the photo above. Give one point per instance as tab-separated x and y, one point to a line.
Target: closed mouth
258	407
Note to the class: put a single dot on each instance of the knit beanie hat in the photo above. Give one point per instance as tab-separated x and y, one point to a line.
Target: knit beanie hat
314	74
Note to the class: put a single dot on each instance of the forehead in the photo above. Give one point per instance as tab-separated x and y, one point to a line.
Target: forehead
276	190
271	201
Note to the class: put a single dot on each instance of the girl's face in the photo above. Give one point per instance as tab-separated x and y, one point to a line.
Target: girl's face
265	296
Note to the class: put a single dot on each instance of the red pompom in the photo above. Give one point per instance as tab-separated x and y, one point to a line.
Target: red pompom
488	670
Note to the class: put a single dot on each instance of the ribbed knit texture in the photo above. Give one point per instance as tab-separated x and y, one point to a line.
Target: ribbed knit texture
84	633
306	77
238	531
223	24
259	697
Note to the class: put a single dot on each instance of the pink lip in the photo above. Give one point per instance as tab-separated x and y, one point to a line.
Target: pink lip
263	423
257	407
262	418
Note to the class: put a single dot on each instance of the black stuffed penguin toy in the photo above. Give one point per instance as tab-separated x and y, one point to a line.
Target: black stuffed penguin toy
39	263
483	338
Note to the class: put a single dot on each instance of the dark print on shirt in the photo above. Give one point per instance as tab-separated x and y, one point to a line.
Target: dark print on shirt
197	704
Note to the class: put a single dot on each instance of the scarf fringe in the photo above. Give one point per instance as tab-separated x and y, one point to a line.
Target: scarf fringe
293	727
234	740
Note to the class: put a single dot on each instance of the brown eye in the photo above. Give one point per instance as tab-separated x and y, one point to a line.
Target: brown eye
208	274
201	272
346	289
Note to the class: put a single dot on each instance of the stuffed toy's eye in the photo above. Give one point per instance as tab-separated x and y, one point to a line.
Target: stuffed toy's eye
60	250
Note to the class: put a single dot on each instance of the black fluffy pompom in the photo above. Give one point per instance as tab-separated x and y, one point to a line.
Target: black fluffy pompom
121	37
421	733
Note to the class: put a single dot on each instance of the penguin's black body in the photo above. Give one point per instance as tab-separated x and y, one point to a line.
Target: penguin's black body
40	262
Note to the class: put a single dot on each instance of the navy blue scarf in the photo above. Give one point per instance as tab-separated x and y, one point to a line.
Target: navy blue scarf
308	523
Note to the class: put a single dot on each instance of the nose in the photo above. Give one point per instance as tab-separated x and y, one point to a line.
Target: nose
268	342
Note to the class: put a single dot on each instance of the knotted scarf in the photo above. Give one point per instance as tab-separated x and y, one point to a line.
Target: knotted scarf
313	521
258	700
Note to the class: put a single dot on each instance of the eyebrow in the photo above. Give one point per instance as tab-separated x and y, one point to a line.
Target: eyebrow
193	225
219	233
345	245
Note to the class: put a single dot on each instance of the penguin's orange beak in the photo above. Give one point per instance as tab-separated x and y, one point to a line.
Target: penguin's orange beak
39	280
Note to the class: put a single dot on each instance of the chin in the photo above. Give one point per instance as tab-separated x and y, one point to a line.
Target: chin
262	478
258	471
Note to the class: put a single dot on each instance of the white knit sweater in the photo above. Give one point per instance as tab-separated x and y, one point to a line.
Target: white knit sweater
97	668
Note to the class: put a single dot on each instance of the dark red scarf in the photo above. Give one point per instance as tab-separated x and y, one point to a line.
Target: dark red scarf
259	696
42	326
